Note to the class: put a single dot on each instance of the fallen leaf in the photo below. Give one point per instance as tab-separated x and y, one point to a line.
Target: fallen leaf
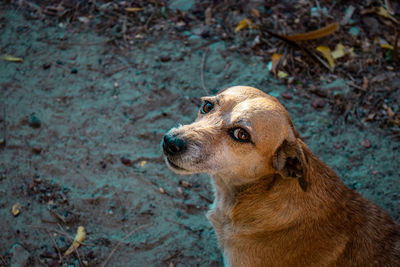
381	11
322	32
80	236
339	51
133	9
16	209
282	74
365	83
326	52
387	46
255	12
390	112
11	58
275	59
243	24
142	163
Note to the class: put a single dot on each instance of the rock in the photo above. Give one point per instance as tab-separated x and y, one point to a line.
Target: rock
20	256
318	103
366	143
126	161
287	95
165	58
34	121
36	150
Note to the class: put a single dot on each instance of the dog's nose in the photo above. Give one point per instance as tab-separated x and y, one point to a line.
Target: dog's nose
173	145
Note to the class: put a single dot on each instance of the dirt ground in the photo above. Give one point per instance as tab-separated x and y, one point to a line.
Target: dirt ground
83	121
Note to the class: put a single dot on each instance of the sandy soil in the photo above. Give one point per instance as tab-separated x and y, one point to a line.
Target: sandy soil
84	122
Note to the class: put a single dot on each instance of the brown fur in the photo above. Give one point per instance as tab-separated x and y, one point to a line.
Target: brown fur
276	203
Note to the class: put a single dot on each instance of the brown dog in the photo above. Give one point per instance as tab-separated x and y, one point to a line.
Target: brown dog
276	203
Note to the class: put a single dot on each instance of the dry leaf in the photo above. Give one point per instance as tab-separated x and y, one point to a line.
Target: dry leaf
255	12
16	209
282	74
11	58
381	11
326	52
142	163
275	59
387	46
133	9
243	24
208	16
338	52
327	30
365	83
80	236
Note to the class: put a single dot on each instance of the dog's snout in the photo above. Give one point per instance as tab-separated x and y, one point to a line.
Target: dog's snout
173	145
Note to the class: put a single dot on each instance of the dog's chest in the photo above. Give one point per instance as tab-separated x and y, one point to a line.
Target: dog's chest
221	223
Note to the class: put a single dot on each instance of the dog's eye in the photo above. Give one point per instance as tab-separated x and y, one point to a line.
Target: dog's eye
241	135
207	107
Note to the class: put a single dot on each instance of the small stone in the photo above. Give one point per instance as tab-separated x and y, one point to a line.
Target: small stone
36	150
34	122
287	95
366	143
185	184
162	190
180	191
165	58
46	66
126	161
318	103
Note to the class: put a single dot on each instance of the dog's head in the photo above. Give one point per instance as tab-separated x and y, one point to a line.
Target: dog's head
241	134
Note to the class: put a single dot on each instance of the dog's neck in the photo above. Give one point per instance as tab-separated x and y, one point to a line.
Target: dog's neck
226	194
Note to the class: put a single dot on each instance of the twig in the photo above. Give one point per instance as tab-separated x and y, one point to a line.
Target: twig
3	260
395	48
203	60
122	240
77	254
55	245
4	126
206	198
298	46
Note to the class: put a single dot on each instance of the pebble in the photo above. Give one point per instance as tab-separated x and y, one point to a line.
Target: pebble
366	143
126	161
318	103
165	58
34	122
287	95
36	150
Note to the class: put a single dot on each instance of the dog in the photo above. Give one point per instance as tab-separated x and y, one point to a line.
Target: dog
276	203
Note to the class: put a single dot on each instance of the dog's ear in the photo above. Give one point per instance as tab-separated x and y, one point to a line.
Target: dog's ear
289	161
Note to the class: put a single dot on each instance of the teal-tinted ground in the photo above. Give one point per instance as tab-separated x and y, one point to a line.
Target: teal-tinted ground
97	104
